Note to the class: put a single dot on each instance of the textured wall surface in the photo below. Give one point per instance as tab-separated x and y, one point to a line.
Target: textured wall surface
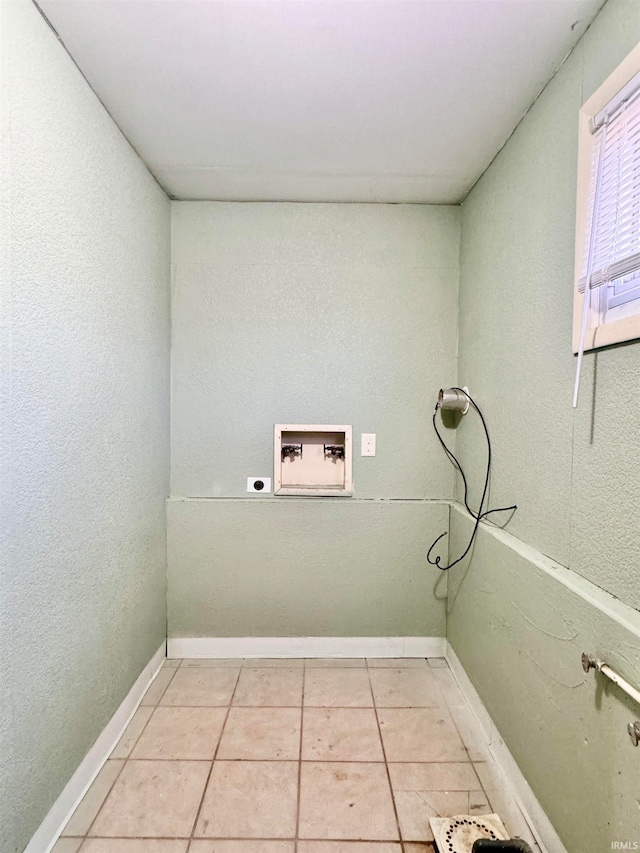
574	475
519	623
307	313
320	568
311	313
85	297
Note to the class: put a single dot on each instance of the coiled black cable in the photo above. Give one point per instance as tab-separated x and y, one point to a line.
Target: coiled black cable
437	561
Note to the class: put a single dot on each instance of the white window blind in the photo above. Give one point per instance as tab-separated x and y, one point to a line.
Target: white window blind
612	243
610	269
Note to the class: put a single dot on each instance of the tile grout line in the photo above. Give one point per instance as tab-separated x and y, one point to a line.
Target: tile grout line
318	707
154	708
111	787
452	713
242	664
126	759
245	839
206	784
451	708
304	673
386	765
472	763
304	760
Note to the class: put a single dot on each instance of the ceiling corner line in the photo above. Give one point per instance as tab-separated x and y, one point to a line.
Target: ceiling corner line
98	98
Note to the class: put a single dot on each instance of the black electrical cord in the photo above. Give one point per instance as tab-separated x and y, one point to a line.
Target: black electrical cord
480	514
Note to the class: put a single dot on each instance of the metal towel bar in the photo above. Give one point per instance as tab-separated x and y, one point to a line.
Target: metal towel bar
591	662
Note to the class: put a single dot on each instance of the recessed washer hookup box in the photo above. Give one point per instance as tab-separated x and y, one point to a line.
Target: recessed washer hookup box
313	460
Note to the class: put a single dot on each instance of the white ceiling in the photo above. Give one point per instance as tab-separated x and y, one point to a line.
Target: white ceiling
318	100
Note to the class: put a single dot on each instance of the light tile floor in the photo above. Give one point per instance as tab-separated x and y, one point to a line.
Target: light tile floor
291	756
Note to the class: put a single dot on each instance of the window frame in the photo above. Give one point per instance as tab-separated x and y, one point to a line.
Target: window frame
626	328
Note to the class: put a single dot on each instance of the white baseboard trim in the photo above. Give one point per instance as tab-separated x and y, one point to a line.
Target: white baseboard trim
540	825
305	647
47	833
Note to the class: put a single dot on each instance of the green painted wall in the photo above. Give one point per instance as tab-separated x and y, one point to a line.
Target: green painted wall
84	348
517	622
307	567
574	475
307	313
310	313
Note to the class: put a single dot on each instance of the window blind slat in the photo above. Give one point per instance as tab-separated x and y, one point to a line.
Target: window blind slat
618	270
627	93
615	252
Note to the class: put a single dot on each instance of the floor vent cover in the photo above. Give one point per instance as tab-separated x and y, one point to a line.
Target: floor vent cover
457	834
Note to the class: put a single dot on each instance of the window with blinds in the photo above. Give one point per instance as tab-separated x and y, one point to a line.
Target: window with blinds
611	255
607	303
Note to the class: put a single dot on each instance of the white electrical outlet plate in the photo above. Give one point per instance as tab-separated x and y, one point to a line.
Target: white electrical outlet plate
259	485
368	447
